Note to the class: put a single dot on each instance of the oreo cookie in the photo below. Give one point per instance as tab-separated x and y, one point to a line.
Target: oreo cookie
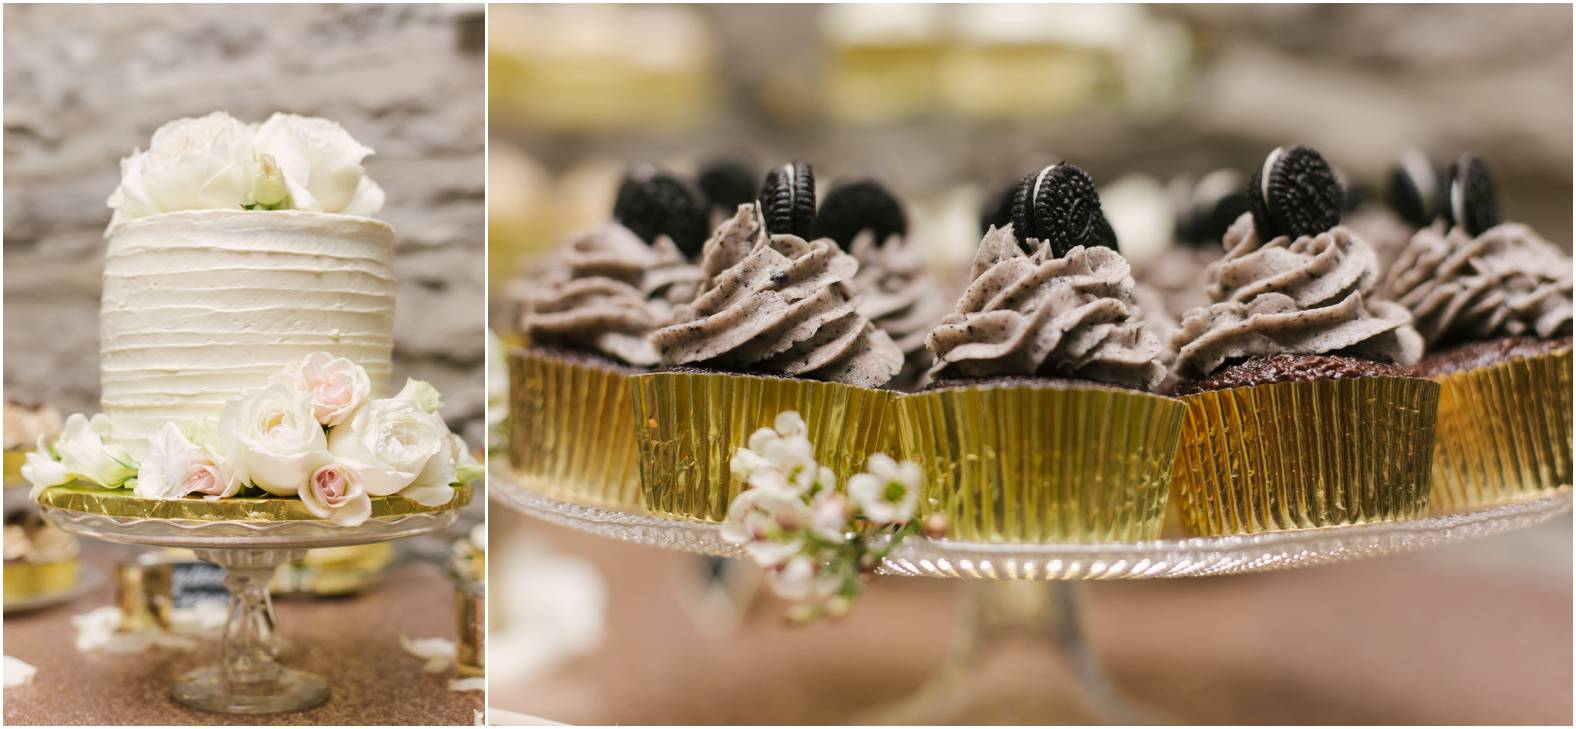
1059	207
1295	194
788	200
728	183
1414	189
1469	199
851	207
653	203
997	211
1214	203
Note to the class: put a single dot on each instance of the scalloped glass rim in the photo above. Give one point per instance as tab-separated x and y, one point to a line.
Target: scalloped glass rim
1191	557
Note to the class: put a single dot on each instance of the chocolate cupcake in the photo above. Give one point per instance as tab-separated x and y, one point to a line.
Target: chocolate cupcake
1300	410
586	323
775	326
895	291
1038	426
1492	301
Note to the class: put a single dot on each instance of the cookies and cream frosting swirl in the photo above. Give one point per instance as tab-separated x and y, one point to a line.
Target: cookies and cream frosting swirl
895	292
1508	281
778	304
1309	295
606	292
1041	315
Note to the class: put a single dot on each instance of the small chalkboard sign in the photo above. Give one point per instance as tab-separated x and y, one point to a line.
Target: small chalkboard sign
197	582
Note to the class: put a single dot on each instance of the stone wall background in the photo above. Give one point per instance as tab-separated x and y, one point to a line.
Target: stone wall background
86	84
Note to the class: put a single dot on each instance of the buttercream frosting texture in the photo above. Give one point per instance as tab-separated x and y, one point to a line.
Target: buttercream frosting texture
199	306
896	294
1508	281
1041	315
1311	295
778	304
606	292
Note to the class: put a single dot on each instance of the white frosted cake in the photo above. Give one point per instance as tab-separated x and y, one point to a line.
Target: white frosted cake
200	305
245	340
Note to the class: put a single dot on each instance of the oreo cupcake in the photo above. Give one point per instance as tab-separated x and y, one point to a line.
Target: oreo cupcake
1300	409
1492	301
895	292
585	324
776	326
1039	424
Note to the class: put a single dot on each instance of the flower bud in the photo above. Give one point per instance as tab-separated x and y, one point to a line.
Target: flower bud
268	187
935	526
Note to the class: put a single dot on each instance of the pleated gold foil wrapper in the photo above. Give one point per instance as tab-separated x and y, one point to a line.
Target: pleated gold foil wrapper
571	431
1296	455
124	503
27	580
1043	464
1504	433
690	423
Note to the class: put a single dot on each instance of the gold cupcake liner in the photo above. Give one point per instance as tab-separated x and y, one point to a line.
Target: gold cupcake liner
1504	432
90	499
28	581
1293	455
571	431
14	460
1043	464
690	424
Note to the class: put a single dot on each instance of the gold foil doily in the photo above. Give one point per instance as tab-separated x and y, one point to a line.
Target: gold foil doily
1504	432
1043	464
1294	455
126	504
689	425
572	431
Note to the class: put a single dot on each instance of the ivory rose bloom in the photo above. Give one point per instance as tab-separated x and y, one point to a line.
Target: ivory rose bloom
335	386
176	467
80	453
321	164
274	438
192	164
398	447
336	492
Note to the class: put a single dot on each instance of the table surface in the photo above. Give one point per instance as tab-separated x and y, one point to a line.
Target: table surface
1471	633
354	642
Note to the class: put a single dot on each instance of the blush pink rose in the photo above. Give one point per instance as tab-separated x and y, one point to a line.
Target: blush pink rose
335	385
336	492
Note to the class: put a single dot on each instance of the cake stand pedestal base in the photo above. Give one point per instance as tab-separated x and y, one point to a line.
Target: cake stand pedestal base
248	678
1016	639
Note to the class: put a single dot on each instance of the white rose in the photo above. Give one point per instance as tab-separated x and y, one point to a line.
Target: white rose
321	164
131	200
422	394
176	467
274	438
336	492
80	453
335	386
398	447
192	164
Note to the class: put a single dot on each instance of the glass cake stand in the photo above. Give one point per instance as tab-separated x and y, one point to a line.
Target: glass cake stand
249	679
1019	594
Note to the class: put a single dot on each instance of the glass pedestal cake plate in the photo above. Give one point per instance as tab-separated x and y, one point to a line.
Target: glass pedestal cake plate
1019	593
249	538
